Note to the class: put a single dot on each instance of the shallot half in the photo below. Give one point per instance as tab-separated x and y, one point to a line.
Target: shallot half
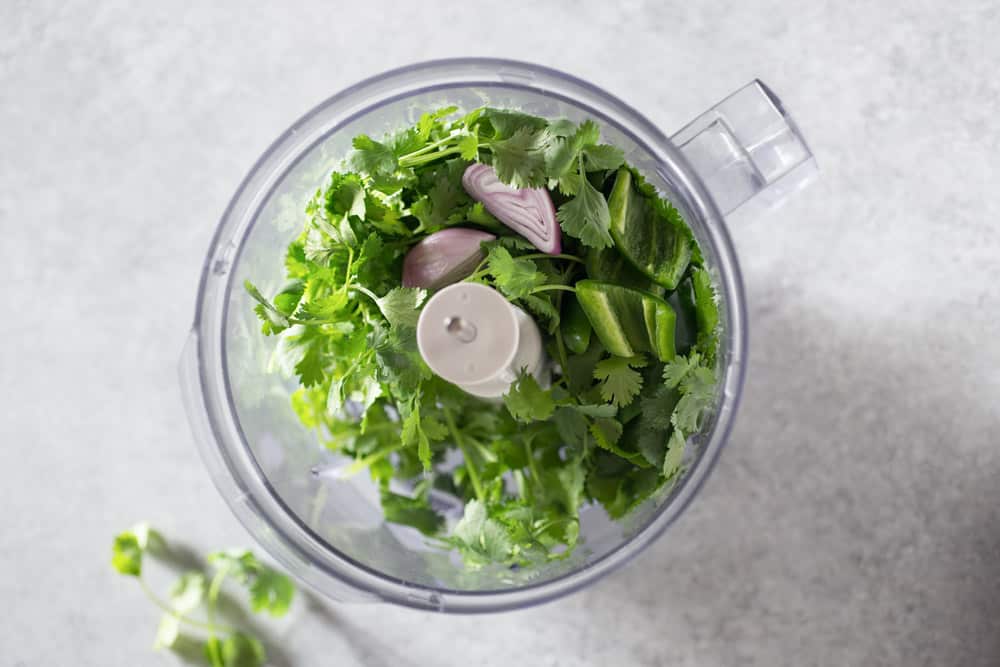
444	257
528	211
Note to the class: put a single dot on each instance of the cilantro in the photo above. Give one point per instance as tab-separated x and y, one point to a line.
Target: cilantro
401	306
514	277
372	156
413	512
603	156
587	216
607	431
236	650
270	590
672	463
481	540
520	160
188	592
274	321
420	431
222	645
697	396
428	121
620	383
129	547
543	308
677	369
526	401
445	197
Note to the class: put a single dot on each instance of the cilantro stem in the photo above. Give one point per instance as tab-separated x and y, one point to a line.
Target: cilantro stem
477	484
213	598
418	160
179	616
545	288
367	292
364	462
347	272
531	463
542	255
431	146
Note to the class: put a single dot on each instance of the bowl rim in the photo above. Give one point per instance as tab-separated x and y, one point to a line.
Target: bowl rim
210	404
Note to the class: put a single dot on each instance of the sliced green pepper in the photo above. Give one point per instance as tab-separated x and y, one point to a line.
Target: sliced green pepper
575	326
610	266
648	232
628	321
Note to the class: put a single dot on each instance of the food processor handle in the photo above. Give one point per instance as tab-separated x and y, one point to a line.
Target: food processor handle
748	152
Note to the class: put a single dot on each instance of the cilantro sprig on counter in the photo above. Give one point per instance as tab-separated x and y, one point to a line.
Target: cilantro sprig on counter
609	429
204	635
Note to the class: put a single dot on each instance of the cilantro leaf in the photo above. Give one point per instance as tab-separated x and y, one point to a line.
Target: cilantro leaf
603	156
607	433
419	430
126	555
468	147
587	217
481	540
697	396
308	349
345	197
430	120
673	461
236	650
506	123
572	427
520	160
167	631
269	590
401	305
514	277
273	320
678	368
413	512
526	401
620	383
372	156
130	546
658	408
564	151
188	592
444	196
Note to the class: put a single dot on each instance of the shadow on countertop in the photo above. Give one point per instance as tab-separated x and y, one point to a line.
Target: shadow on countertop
854	518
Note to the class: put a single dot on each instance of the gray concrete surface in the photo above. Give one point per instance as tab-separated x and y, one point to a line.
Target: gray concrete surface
852	521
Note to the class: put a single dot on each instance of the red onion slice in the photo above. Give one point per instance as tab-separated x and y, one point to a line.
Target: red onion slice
444	257
528	211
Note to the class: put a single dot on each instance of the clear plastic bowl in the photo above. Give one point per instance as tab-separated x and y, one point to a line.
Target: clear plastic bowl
282	485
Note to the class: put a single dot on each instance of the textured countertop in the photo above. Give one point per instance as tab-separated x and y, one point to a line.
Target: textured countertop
853	520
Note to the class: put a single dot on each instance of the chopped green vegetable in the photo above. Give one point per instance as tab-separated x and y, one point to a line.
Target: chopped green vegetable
648	232
628	321
620	382
527	402
575	327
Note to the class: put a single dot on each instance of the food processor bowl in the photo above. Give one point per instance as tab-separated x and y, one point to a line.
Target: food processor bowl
299	500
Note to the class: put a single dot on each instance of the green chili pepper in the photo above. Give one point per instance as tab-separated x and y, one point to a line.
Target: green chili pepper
628	321
648	232
575	326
